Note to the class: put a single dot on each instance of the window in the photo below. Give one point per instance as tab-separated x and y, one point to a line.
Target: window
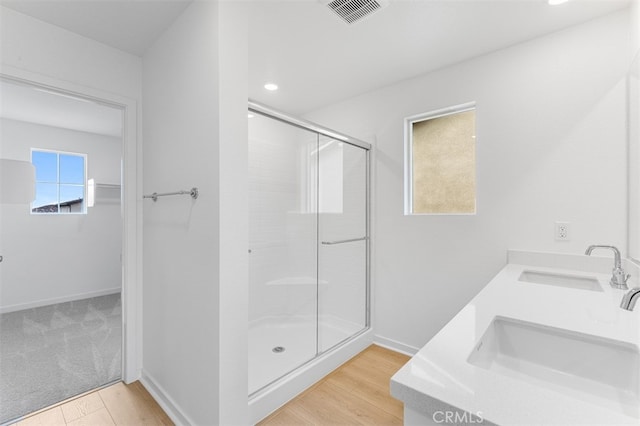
60	182
440	167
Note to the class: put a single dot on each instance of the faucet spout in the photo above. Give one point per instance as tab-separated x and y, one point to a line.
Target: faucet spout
630	298
618	277
616	254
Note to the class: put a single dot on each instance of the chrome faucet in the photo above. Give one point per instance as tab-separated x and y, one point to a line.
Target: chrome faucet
618	277
629	299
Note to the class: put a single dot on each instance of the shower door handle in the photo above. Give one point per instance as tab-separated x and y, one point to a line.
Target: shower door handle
330	243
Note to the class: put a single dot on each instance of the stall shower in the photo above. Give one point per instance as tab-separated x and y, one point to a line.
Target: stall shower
308	243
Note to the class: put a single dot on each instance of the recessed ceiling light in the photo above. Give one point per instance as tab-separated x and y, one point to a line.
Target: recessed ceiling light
271	86
556	2
249	115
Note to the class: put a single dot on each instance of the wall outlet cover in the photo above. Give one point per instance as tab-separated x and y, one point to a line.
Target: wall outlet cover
562	231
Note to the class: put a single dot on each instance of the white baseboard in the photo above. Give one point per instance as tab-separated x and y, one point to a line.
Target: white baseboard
394	345
53	301
168	405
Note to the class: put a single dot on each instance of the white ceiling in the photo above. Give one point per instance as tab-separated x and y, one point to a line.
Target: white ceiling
129	25
317	59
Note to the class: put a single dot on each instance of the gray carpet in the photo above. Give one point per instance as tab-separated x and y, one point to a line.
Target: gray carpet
54	352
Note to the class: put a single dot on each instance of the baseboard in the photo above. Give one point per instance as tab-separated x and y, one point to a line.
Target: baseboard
53	301
394	345
168	405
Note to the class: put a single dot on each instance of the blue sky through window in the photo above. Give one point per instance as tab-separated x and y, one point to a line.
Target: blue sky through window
46	193
46	164
60	177
71	169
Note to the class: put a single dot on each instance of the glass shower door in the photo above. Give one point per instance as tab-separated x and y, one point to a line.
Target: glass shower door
308	244
343	245
282	249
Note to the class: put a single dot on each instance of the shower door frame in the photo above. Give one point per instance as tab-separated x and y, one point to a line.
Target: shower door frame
313	127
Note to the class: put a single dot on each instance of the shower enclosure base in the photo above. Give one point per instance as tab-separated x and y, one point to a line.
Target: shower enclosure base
279	345
271	380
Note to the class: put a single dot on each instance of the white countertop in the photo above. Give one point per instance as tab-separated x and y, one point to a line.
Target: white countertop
439	374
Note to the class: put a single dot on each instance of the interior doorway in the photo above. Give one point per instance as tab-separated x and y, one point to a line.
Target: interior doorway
61	276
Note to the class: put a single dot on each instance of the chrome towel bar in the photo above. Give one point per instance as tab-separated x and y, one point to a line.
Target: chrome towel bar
330	243
193	192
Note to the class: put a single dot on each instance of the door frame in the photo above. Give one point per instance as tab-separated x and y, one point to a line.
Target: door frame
131	211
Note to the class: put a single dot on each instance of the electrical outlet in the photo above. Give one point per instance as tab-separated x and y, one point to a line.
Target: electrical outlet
562	231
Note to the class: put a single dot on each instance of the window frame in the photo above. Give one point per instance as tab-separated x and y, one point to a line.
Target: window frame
58	183
408	155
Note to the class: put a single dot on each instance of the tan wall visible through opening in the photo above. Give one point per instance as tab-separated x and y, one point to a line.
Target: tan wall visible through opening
444	169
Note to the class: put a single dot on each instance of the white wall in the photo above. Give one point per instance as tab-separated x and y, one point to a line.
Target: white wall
181	267
37	47
635	27
195	259
53	258
234	215
634	134
550	147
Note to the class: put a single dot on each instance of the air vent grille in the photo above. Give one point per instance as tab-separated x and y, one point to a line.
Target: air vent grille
352	11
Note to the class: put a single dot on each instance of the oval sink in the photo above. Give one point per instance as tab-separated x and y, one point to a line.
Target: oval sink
560	280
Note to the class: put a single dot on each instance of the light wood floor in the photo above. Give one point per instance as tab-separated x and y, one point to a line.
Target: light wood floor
119	404
357	393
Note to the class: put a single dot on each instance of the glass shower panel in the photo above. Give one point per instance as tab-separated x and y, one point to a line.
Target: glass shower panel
282	249
343	248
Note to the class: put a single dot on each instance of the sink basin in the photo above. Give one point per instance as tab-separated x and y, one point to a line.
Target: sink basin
561	280
598	370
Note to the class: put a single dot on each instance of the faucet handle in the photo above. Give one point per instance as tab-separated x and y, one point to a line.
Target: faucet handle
619	279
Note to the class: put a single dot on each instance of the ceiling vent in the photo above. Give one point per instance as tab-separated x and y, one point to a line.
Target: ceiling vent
352	11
